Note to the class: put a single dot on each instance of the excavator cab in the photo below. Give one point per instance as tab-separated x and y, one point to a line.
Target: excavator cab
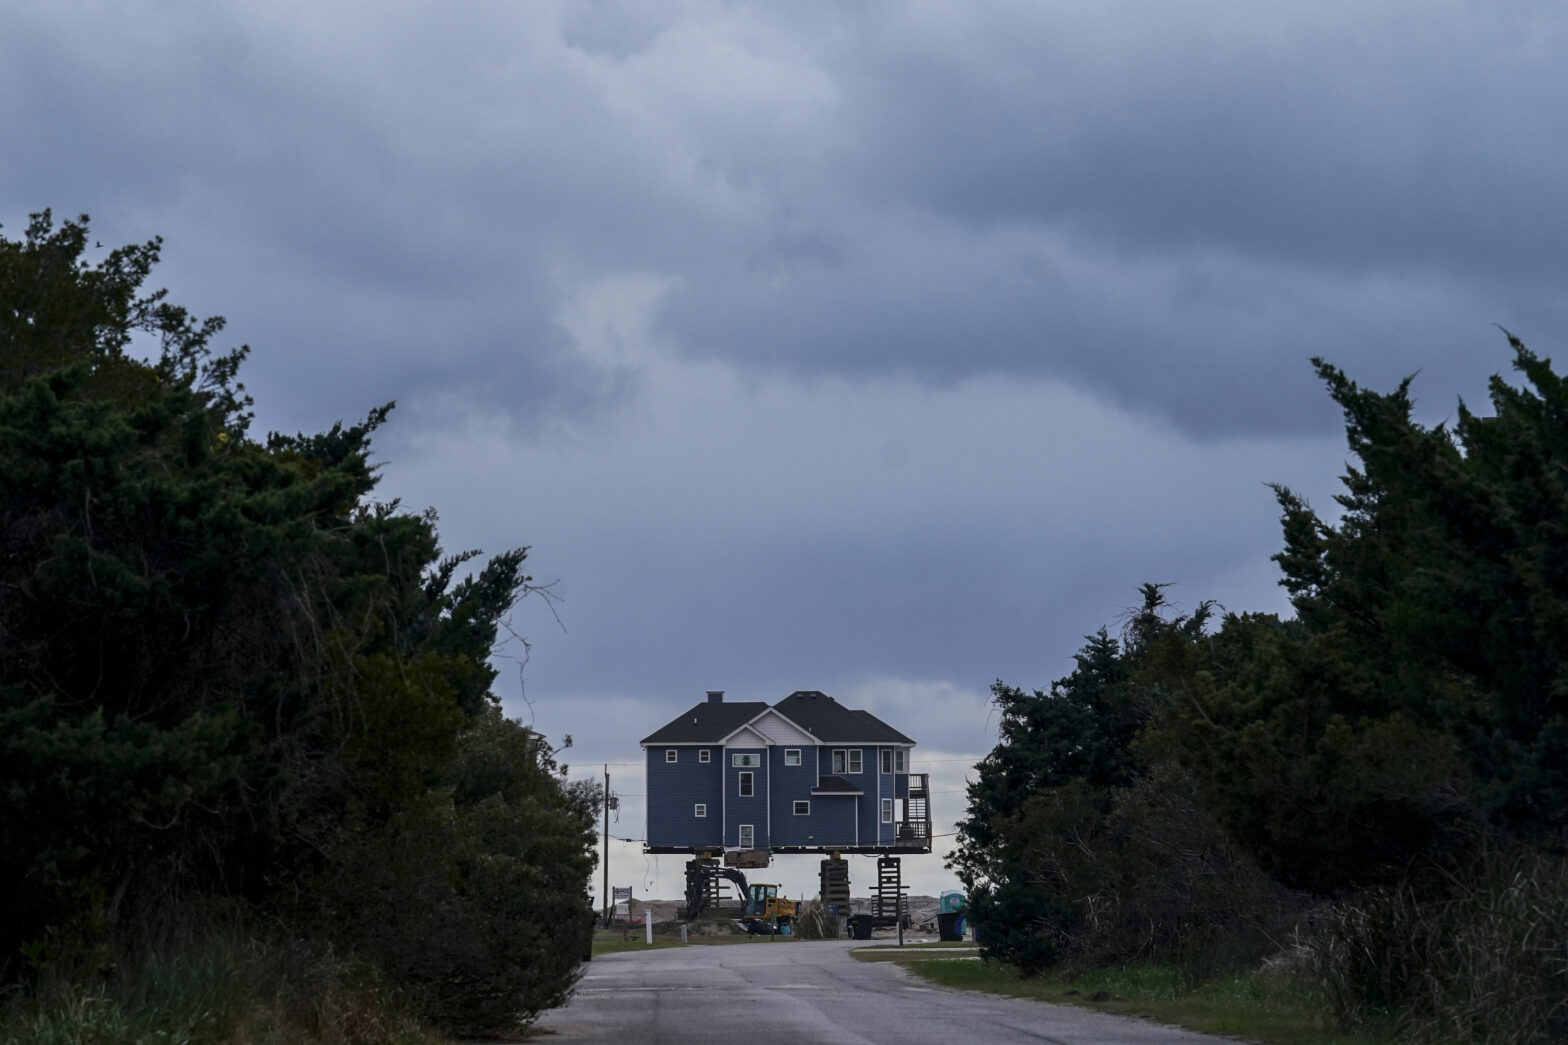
763	901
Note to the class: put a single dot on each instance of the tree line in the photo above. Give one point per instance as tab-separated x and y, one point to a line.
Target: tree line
1375	786
236	686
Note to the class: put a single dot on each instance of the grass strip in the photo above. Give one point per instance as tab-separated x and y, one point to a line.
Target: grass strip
1239	1005
611	942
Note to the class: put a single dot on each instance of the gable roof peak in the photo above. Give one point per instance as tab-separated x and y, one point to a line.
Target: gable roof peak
828	720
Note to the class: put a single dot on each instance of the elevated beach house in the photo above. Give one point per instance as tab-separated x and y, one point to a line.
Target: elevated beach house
805	775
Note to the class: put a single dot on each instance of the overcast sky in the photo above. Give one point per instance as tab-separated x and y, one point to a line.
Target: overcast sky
877	348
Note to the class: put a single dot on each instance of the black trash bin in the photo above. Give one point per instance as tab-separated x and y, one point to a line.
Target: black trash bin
950	925
860	926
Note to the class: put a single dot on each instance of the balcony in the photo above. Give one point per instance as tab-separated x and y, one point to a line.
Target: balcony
914	830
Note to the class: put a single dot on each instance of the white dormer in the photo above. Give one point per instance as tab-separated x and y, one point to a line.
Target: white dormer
781	731
744	737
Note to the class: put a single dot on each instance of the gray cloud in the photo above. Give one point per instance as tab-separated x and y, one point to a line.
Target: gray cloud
883	350
1170	209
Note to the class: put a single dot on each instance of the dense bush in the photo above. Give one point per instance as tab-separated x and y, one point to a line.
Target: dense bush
474	896
1478	956
228	671
1185	791
217	983
812	921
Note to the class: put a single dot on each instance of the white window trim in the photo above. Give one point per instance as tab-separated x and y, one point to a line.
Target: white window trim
745	761
900	760
856	763
741	831
700	810
887	810
887	760
802	802
704	755
840	758
745	781
792	752
672	754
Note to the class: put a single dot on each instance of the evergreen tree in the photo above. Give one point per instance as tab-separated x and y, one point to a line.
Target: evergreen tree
226	669
1040	799
1420	696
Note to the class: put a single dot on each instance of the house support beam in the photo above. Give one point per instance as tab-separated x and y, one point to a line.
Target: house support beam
834	878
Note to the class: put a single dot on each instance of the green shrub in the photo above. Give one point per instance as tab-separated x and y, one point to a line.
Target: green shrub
1484	958
473	899
812	922
214	986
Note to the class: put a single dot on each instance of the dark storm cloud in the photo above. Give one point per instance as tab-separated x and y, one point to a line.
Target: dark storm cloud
1211	199
1171	208
1353	138
878	348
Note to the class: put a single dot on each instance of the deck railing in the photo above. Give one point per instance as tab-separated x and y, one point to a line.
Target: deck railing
914	830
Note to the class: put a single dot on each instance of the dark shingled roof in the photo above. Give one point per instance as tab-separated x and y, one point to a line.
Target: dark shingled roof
835	785
833	723
708	722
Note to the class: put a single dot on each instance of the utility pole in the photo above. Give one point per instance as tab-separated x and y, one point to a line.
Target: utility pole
607	845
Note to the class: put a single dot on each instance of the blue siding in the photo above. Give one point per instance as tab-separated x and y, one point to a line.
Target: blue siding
675	788
841	817
846	821
894	786
832	821
738	810
791	784
865	779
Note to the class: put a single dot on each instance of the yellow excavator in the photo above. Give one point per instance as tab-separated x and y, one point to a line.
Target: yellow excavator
763	901
765	905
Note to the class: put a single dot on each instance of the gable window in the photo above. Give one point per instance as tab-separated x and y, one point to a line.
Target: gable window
748	836
745	784
700	809
746	761
704	755
838	761
855	760
802	808
792	756
887	810
671	754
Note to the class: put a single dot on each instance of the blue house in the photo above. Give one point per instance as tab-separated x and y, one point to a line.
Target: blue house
805	775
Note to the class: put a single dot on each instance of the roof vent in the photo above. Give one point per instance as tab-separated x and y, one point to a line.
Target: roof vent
715	696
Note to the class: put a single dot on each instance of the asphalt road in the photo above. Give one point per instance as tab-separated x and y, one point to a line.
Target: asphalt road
761	993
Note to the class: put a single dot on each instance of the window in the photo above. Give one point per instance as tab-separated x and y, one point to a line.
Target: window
746	761
792	756
854	759
892	760
802	808
748	836
887	810
899	765
887	760
671	754
838	761
746	788
700	809
704	755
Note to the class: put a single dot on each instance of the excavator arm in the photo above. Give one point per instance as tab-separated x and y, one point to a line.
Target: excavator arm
697	886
